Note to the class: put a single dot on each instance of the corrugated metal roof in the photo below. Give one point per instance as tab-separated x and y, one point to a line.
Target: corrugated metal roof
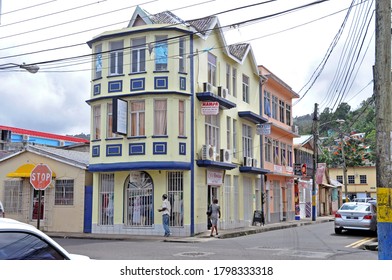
43	134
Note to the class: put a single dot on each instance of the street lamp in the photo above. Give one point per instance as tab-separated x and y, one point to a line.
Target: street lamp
344	159
31	68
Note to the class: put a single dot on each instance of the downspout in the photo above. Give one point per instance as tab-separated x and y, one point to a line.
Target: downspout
192	82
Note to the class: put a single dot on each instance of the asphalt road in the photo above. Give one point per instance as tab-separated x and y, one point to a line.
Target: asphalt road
311	242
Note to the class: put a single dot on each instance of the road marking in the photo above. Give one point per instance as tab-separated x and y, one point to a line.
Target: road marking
361	242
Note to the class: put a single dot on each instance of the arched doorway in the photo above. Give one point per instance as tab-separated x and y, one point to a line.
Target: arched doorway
138	204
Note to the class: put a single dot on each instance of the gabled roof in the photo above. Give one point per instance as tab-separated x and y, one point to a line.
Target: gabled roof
70	157
201	27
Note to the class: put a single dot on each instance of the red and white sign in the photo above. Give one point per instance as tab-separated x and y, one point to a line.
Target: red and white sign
41	176
214	178
210	108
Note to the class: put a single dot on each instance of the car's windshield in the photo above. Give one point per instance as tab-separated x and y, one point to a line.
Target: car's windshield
355	207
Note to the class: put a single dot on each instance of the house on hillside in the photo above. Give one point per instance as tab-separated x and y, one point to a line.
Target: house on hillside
65	204
174	110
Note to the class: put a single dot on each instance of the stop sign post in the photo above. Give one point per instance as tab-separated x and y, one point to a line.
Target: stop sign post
40	179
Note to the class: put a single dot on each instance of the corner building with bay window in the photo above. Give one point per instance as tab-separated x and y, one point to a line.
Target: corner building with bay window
174	109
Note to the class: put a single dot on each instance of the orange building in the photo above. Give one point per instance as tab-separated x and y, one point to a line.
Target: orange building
278	153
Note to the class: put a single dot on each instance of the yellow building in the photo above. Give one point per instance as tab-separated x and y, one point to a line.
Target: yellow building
174	110
361	181
65	202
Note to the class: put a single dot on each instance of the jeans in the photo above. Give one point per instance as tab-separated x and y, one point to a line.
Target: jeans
165	223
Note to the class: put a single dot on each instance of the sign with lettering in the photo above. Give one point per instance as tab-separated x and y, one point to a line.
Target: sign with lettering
214	178
210	108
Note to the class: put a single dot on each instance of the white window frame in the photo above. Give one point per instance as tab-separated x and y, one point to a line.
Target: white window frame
245	88
160	125
138	117
247	140
96	122
98	61
64	192
161	53
116	58
212	130
181	118
106	199
138	55
182	55
211	69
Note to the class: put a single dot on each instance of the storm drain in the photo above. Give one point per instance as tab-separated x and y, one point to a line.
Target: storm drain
193	254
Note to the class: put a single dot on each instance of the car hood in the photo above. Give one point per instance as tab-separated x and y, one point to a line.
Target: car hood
77	257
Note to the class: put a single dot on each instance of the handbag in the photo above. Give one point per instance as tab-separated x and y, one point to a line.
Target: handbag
209	211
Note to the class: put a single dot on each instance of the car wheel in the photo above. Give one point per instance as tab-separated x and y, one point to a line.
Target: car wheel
338	230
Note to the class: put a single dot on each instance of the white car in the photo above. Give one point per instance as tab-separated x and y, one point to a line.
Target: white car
2	211
21	241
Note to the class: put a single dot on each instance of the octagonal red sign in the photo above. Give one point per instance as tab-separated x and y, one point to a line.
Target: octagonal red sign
41	176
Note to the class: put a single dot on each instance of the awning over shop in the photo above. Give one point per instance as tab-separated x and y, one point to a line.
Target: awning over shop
24	171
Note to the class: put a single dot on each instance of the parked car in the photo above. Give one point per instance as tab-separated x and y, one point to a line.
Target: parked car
2	211
356	216
365	199
20	241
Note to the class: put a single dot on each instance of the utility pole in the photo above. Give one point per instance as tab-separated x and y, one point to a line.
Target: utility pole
382	93
315	152
344	160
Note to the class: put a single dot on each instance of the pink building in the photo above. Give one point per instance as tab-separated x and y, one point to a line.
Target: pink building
278	146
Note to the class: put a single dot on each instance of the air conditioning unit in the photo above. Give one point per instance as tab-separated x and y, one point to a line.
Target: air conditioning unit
295	129
207	87
25	137
225	155
208	152
61	143
254	162
223	92
248	161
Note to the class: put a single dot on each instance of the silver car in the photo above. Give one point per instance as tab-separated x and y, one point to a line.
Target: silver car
356	216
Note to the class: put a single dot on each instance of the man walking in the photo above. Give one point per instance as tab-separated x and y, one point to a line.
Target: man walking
165	209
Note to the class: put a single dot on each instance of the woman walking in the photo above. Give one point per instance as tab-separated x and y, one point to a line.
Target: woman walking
215	215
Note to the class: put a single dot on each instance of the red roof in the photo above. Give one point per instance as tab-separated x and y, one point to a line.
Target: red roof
44	134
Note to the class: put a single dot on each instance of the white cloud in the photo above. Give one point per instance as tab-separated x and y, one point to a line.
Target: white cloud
56	102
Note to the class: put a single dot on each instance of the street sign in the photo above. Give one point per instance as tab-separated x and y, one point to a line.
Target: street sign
41	177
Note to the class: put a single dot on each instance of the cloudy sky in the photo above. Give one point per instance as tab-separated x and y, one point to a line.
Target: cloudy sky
322	49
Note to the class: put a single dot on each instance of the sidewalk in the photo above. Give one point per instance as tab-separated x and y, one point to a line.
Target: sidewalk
201	237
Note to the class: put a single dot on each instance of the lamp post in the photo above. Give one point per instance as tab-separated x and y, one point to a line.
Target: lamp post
344	159
31	68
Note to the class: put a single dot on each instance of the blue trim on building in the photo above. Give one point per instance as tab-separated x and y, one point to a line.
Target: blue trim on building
95	150
115	86
139	165
161	82
215	164
252	117
97	89
182	83
137	149
113	150
209	96
182	148
137	94
137	84
254	170
192	77
159	148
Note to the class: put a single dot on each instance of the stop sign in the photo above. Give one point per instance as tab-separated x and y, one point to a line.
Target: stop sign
41	176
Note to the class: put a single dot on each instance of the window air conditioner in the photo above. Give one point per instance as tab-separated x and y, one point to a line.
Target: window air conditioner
223	92
248	161
225	155
207	87
254	162
208	152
